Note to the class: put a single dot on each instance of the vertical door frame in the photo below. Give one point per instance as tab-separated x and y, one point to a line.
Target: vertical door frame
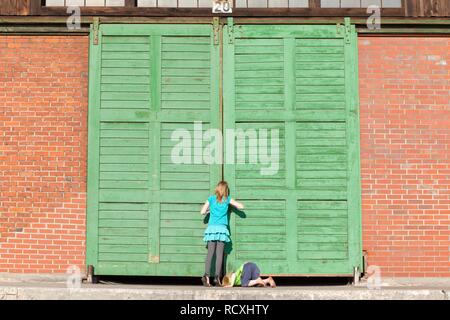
353	145
154	207
93	163
229	120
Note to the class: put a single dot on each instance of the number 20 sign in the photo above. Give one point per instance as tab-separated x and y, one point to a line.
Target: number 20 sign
221	6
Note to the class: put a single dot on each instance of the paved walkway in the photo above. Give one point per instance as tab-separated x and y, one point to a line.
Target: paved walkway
51	287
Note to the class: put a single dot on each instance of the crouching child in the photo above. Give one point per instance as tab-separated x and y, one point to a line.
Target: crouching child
247	275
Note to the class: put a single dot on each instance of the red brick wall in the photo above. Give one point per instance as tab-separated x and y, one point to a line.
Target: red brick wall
43	130
405	154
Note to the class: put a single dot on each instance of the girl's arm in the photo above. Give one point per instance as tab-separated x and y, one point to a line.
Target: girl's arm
236	204
205	208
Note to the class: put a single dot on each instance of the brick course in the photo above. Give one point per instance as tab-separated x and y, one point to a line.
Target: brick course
405	154
43	129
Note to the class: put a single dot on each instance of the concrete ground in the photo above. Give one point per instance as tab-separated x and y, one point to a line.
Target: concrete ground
51	287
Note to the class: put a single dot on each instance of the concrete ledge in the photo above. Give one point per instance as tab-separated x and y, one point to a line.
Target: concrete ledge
32	277
111	293
53	287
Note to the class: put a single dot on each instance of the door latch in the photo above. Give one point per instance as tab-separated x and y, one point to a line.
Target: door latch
216	30
230	30
95	27
348	30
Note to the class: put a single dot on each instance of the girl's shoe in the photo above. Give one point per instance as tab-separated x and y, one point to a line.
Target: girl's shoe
205	281
217	282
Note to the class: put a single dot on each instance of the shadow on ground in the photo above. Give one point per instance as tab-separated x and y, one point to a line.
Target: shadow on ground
194	281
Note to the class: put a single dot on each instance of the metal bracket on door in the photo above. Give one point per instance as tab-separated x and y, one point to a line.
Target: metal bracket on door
95	29
338	28
348	30
216	30
230	30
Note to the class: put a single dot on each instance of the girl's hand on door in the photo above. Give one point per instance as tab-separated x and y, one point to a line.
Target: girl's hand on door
205	208
236	204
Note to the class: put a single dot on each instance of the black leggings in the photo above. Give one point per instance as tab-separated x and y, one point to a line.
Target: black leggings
217	247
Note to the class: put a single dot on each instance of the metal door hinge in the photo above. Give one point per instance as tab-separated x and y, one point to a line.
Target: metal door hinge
230	30
216	29
338	28
348	30
95	27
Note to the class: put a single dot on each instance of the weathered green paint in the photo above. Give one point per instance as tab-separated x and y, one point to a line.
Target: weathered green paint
93	153
148	80
301	80
145	82
353	144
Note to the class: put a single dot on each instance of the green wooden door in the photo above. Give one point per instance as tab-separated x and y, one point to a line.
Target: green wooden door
301	81
147	81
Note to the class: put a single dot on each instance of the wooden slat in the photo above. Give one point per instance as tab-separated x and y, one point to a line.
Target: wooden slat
186	40
8	7
127	257
183	249
120	142
261	255
135	232
185	185
22	7
261	238
126	40
111	184
174	232
188	224
321	238
124	223
182	258
331	246
126	150
182	241
131	176
322	255
123	195
123	206
122	248
122	240
110	55
122	214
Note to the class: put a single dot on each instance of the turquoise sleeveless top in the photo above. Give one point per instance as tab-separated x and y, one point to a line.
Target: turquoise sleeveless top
218	211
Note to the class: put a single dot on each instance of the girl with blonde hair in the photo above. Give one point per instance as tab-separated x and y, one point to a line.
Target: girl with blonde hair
217	233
